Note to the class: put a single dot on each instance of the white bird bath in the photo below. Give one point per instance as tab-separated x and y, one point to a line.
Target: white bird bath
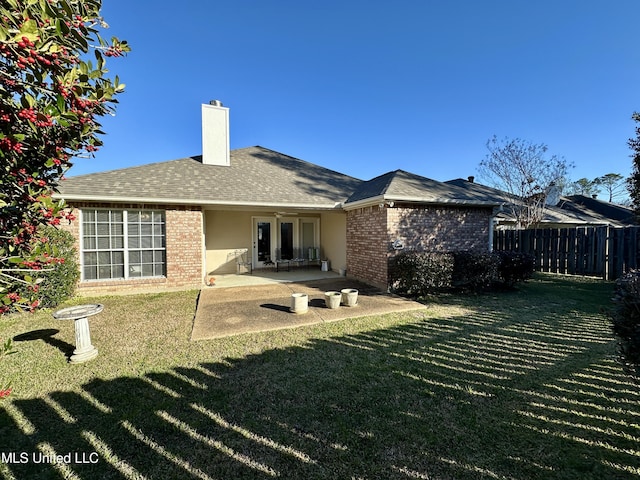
80	315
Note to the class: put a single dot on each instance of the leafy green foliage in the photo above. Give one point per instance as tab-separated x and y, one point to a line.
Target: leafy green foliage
418	274
625	318
58	281
52	96
474	271
633	183
515	267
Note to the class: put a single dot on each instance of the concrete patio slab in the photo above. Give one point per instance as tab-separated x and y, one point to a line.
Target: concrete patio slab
223	312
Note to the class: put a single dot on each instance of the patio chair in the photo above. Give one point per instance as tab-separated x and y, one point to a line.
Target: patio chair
242	260
299	259
281	261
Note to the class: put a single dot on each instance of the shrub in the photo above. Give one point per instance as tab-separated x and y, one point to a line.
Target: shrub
625	318
421	273
474	271
58	281
515	267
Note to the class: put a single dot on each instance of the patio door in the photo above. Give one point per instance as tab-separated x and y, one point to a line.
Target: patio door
264	241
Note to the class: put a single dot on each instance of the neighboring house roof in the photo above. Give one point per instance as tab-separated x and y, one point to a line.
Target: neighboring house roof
256	176
404	186
574	210
598	209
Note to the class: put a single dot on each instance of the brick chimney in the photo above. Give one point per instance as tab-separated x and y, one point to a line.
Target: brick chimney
215	134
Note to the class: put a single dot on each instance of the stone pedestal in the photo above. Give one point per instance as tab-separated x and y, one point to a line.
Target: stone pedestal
80	315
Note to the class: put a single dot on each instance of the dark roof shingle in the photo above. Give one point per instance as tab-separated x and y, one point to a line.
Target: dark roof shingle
256	175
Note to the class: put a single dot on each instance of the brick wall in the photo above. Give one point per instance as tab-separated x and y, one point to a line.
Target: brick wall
367	242
372	230
184	250
440	228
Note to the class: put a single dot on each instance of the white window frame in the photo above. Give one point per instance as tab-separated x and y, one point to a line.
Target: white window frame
125	248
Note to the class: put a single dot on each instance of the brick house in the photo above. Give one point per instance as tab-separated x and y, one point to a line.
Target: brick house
171	224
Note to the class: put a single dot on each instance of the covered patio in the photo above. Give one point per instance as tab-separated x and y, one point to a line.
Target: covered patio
269	276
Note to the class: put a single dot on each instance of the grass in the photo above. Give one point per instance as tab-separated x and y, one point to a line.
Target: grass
514	385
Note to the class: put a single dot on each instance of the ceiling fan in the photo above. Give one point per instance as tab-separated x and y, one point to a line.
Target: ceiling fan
284	214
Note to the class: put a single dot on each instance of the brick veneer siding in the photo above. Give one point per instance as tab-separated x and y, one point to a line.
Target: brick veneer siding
367	241
372	230
184	250
440	228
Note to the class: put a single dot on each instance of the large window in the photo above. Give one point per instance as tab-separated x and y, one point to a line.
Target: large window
122	244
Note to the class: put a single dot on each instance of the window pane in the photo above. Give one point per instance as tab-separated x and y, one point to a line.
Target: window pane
102	216
89	243
145	242
88	215
147	270
89	228
116	216
103	243
117	257
103	229
134	257
90	272
104	271
117	271
104	258
133	217
90	258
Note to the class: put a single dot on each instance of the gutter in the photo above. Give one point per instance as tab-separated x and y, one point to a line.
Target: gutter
200	202
394	198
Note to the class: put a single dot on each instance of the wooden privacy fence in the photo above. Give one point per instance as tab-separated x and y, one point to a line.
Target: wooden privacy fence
605	252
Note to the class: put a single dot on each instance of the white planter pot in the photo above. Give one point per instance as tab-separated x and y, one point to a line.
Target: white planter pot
349	297
332	299
299	303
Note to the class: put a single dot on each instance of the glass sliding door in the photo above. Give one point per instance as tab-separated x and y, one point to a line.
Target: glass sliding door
286	240
263	241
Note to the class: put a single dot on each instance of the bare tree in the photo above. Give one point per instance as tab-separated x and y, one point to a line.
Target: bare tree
523	170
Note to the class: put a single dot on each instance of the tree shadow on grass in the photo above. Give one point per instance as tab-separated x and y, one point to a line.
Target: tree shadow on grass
47	336
461	397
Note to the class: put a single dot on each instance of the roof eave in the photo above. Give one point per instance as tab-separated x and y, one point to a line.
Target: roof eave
188	201
377	200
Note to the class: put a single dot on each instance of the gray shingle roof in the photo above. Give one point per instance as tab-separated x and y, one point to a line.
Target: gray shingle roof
400	185
574	210
256	176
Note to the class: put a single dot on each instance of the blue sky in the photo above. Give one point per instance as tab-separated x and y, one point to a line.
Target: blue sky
365	87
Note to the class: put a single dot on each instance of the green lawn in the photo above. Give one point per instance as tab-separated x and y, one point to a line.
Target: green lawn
513	385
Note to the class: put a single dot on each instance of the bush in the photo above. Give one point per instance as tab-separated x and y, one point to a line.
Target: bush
420	273
58	281
625	318
515	267
474	271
